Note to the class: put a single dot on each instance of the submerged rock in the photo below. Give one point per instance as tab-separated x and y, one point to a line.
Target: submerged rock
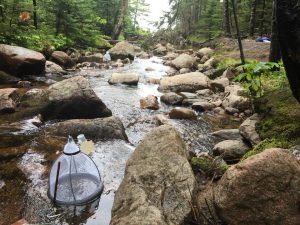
263	189
124	78
72	99
158	182
8	100
20	61
149	102
189	82
99	128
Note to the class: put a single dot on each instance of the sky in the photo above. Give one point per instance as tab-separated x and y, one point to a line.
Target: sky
156	11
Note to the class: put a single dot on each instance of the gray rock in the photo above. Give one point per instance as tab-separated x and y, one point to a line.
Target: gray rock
124	78
205	92
248	130
189	82
7	79
203	106
171	98
157	183
184	61
54	68
228	134
236	98
231	150
205	52
97	58
160	50
62	59
123	50
231	110
95	129
149	102
188	95
184	70
219	84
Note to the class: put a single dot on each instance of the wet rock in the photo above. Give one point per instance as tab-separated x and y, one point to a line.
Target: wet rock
122	50
228	134
189	82
54	68
228	74
20	62
203	106
124	78
99	128
153	80
263	189
182	113
149	102
24	84
219	85
231	150
205	52
161	119
118	64
171	72
204	92
184	61
126	61
12	152
248	130
231	110
160	50
236	98
190	101
158	182
143	55
96	58
7	79
72	98
171	98
8	100
50	81
33	95
188	95
62	59
148	69
184	70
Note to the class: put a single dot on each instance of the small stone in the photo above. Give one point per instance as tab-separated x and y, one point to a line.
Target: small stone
203	106
148	69
171	98
182	113
219	85
150	102
231	110
24	84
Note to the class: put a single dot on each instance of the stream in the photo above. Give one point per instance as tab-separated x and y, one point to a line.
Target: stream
109	156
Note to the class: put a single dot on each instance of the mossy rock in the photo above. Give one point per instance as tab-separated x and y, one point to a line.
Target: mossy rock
267	144
280	114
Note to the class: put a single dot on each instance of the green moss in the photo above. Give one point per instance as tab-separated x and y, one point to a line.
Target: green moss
227	63
204	163
267	144
280	114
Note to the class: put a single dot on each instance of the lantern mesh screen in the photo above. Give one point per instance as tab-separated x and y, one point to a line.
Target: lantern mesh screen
76	182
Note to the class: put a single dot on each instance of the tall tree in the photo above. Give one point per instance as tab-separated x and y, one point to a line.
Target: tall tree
2	11
34	14
288	20
226	19
120	21
252	18
275	54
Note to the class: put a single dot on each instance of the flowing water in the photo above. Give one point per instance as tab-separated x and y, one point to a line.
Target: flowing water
109	156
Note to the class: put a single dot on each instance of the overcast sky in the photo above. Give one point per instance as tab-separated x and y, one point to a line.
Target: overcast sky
156	11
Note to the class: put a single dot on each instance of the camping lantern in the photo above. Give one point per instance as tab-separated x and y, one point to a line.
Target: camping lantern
74	177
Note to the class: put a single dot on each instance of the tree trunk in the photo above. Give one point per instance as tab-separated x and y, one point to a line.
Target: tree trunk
262	18
288	20
120	21
34	14
238	32
58	21
275	54
226	19
252	18
2	11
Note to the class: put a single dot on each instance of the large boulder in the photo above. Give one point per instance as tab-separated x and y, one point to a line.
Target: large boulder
263	189
62	59
149	102
99	128
124	78
248	129
72	99
189	82
8	100
160	50
8	79
122	50
205	52
20	61
184	61
231	150
171	98
219	85
236	98
158	182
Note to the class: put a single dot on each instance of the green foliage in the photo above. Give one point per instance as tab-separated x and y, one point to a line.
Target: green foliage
252	76
267	144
